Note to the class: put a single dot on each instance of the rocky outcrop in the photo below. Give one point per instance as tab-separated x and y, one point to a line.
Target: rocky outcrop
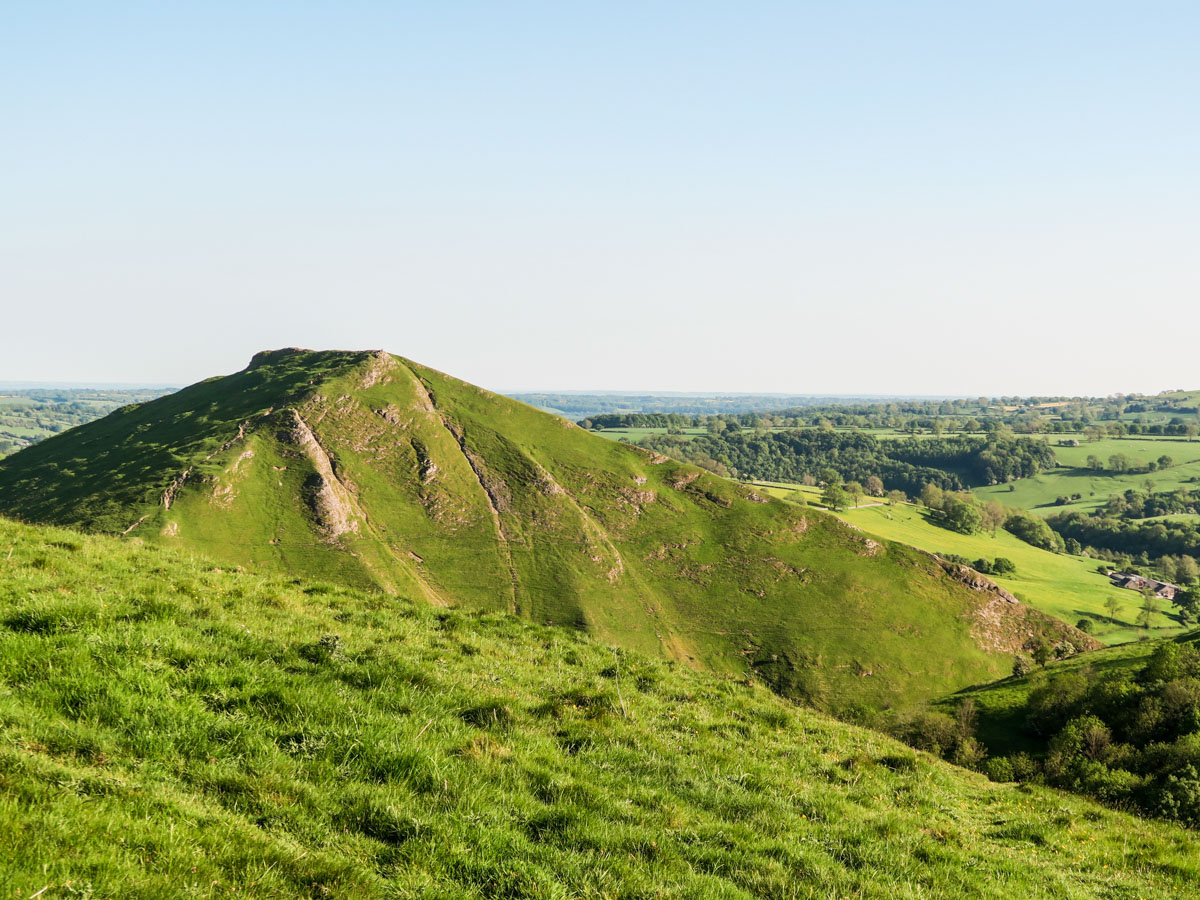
332	505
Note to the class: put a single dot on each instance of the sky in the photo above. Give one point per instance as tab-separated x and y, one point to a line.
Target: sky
985	198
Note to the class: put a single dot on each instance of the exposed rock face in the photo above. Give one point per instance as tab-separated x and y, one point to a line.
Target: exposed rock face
331	504
974	580
1002	624
380	363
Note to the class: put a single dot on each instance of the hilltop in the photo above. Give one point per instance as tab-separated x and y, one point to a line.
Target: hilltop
168	729
377	472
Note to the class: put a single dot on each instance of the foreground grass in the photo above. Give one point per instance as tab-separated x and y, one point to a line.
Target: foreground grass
171	730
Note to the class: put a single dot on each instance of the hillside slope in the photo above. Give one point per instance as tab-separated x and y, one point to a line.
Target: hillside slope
171	730
377	472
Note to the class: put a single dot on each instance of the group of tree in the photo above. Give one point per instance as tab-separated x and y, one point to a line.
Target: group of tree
1130	737
1001	565
1093	418
905	464
1116	537
1120	464
1134	504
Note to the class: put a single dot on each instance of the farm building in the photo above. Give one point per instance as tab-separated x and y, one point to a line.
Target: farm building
1138	583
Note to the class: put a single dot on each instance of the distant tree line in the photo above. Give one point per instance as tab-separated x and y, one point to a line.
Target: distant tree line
1130	537
902	464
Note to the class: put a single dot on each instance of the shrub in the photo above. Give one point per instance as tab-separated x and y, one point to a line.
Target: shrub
1002	565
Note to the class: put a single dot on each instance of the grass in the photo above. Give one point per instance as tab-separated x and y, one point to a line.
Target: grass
28	416
466	498
170	730
1040	492
1067	587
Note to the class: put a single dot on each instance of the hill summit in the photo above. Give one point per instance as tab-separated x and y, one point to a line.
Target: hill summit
375	471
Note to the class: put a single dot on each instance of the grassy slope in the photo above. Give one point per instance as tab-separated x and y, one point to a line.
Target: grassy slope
1001	704
171	730
465	497
1067	587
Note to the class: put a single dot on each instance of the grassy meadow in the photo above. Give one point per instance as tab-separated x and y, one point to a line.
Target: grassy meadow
172	730
1039	493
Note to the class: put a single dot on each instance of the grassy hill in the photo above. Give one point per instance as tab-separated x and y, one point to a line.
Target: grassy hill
168	729
376	472
1067	587
29	415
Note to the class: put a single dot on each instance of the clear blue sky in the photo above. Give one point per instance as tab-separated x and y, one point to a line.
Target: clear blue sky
936	198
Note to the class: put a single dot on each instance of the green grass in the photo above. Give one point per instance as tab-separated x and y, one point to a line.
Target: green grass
470	499
1067	587
28	416
1040	492
169	730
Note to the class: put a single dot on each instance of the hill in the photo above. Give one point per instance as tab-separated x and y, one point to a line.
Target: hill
378	472
169	730
1067	587
32	414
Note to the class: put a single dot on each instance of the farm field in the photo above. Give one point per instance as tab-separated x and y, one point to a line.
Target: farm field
1039	493
1068	587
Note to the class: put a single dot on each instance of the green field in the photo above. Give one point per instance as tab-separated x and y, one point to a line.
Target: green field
1040	492
169	730
1068	587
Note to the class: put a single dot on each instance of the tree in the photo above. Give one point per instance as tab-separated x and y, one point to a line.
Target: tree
932	496
1150	606
1022	665
830	476
1118	462
1186	570
1004	566
993	516
855	490
1113	606
1188	604
1042	654
961	516
894	497
874	486
834	496
1095	463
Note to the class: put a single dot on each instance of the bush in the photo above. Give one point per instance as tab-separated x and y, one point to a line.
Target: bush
1085	625
1022	665
1002	565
